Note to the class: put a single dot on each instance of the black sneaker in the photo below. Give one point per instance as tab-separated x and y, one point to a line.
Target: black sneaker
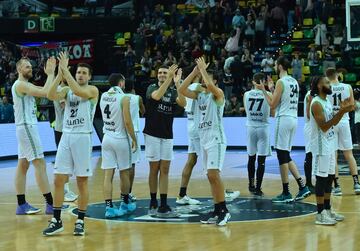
79	229
252	189
166	212
258	193
53	228
311	188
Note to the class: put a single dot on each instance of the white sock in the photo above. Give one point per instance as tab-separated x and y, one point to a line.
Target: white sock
66	187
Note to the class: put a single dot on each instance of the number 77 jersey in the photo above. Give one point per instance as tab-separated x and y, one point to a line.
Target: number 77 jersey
111	110
257	108
340	92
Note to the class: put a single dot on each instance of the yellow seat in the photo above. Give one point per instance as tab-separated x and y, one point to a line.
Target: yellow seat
167	33
55	15
308	22
274	78
298	35
127	35
242	4
181	6
190	7
2	91
290	71
306	70
120	41
331	21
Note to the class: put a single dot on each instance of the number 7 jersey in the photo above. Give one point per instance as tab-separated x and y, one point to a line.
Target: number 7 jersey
288	105
78	114
257	108
340	92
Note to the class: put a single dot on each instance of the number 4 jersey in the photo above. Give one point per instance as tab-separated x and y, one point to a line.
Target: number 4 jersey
257	108
340	92
288	105
111	110
78	115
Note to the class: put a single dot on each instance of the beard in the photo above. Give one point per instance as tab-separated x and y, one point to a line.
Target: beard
327	90
28	75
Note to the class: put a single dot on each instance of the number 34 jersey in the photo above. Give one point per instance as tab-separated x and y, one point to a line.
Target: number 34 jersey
340	92
111	110
288	105
257	108
78	114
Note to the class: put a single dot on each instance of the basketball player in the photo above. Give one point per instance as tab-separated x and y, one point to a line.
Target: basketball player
59	105
160	107
340	92
192	110
323	146
29	145
285	101
211	104
307	138
74	153
116	149
137	108
258	133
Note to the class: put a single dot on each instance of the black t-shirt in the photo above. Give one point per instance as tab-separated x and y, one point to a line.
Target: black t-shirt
160	114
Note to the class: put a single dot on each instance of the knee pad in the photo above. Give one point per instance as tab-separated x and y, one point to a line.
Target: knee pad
261	160
252	159
329	182
320	185
283	156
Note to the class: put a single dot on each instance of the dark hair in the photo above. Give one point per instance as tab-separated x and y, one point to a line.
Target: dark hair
284	62
129	85
164	66
85	65
331	73
258	76
314	90
114	79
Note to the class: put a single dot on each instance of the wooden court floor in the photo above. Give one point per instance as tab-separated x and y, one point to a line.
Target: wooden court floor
300	233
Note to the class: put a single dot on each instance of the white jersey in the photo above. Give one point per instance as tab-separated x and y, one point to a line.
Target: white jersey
322	143
257	108
59	113
340	92
211	130
24	107
111	110
135	110
307	96
288	105
78	115
192	110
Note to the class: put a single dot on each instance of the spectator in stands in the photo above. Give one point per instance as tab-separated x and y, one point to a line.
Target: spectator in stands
183	60
260	32
6	111
108	5
228	61
170	59
130	59
250	29
227	17
329	61
139	42
297	64
320	37
247	61
233	107
267	64
278	19
238	20
232	44
8	83
228	84
196	52
146	64
91	4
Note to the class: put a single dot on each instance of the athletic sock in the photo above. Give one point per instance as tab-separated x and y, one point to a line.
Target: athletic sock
109	203
251	170
57	213
125	198
327	204
217	209
153	200
336	182
163	200
300	182
356	179
320	208
286	188
48	198
260	171
308	168
222	207
81	214
21	199
182	191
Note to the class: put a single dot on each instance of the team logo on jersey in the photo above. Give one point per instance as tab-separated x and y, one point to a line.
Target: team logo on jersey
241	209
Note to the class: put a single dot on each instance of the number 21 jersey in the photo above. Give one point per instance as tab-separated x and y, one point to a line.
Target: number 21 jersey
78	114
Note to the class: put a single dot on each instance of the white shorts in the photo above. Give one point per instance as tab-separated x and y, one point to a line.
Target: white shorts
116	153
29	145
258	141
74	155
307	137
343	136
136	156
194	146
157	149
213	157
323	165
284	132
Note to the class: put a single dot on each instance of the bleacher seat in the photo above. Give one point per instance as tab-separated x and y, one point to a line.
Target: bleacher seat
306	70
357	61
118	35
120	41
127	35
308	22
181	7
298	35
331	20
2	91
167	33
350	77
309	34
287	48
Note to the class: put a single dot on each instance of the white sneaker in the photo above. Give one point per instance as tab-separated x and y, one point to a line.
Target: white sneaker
231	195
357	188
211	220
324	219
70	196
132	197
335	216
336	191
223	219
186	200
